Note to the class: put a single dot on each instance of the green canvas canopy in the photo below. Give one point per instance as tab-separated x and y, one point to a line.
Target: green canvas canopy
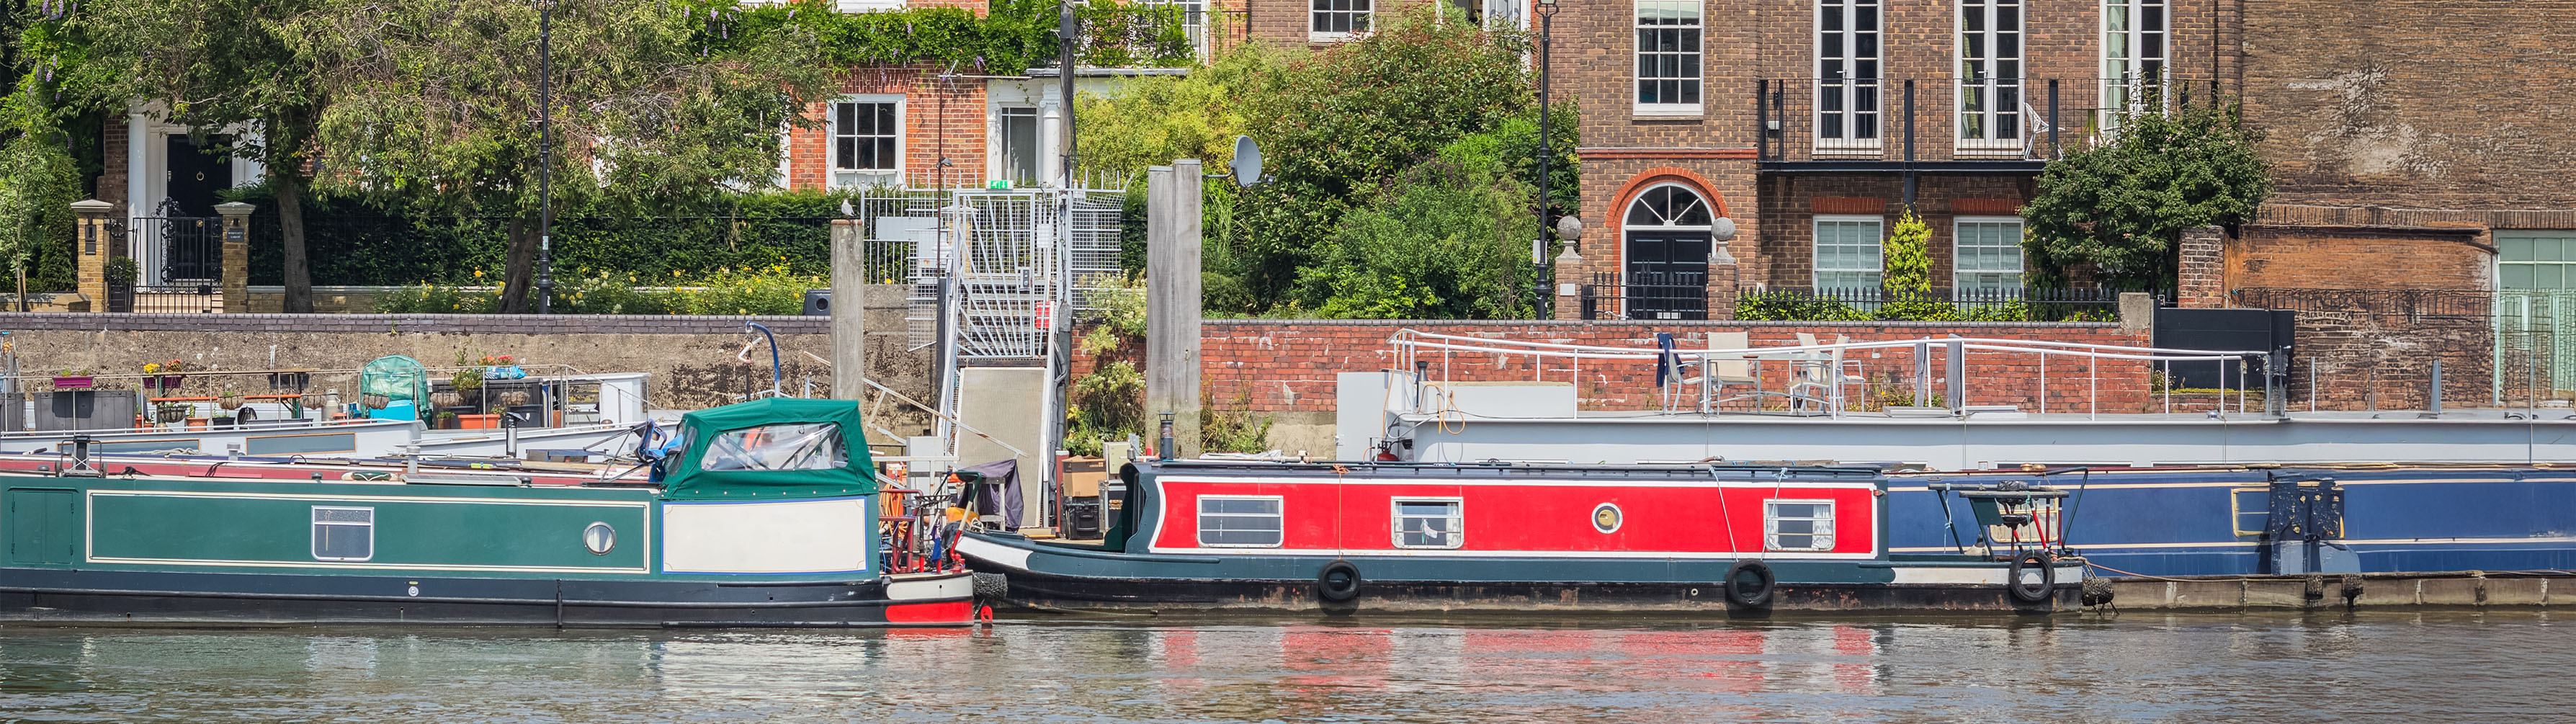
771	449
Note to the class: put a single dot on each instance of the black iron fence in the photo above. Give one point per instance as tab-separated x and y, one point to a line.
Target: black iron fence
1948	118
1645	295
1993	304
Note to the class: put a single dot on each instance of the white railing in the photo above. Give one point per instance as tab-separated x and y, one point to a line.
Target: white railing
1819	373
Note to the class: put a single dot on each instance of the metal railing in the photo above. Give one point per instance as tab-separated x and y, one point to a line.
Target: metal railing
1821	378
1674	295
1947	118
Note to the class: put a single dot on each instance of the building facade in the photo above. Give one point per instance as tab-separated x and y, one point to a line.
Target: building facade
1812	125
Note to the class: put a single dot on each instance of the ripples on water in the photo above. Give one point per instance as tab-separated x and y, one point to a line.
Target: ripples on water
2450	665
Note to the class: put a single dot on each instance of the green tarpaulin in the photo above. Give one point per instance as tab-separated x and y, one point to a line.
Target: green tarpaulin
771	449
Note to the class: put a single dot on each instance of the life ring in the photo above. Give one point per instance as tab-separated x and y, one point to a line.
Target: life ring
1339	582
2029	592
1749	583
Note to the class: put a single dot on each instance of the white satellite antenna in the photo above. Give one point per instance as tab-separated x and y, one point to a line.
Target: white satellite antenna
1246	166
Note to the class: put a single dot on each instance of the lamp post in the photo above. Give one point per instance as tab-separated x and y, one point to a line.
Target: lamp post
545	157
1546	152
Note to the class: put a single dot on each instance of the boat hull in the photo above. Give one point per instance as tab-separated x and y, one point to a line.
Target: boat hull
1047	576
130	597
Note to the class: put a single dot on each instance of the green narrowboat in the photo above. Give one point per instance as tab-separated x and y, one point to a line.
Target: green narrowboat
763	514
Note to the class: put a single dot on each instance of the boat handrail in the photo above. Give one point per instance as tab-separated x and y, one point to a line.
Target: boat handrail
1821	370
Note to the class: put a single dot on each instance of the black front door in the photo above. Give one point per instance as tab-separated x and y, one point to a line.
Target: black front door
1667	276
194	175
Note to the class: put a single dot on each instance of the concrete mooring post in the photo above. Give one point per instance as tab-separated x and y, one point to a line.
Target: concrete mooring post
236	256
849	312
1172	301
94	251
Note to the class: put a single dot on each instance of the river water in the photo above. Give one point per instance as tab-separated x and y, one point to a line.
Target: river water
2451	665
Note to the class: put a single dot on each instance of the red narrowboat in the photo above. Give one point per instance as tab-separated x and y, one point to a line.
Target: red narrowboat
1348	537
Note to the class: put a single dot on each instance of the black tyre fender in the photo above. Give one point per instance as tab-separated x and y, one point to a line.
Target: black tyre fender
2029	592
1749	583
1338	582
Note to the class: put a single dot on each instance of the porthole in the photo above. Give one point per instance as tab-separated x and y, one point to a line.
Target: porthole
599	538
1606	518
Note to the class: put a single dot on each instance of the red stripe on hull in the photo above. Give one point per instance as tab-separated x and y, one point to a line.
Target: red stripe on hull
942	613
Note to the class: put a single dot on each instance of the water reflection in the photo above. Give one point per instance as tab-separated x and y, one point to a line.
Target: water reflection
2473	665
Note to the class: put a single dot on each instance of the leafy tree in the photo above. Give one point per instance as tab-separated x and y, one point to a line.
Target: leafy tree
2120	206
671	103
45	108
1449	239
217	64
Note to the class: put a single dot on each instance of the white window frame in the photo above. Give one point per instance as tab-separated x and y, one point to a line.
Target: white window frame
1457	520
1815	250
1849	92
1362	14
369	524
2002	95
2120	73
1200	504
999	164
1822	539
835	177
1697	55
1958	247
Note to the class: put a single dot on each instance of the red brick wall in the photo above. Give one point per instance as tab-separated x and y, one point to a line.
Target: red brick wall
1289	365
942	117
2462	105
2298	257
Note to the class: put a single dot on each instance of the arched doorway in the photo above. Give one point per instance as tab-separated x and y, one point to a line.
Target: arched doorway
1666	242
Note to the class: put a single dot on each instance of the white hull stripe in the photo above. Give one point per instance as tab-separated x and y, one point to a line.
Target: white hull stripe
1982	576
942	587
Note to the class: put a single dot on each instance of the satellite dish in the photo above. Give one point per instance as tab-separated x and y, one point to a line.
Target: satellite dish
1247	161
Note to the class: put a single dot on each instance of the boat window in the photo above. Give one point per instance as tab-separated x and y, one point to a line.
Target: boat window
798	446
343	534
1435	523
1239	520
2253	510
1798	525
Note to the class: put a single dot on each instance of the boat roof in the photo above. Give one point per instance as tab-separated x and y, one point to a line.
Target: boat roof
772	449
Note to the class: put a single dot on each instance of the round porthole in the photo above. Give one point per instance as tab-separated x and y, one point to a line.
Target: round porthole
1606	518
599	538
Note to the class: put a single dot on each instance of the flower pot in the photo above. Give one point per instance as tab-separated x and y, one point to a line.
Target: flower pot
169	382
173	413
486	421
311	401
514	398
375	402
446	399
73	382
230	402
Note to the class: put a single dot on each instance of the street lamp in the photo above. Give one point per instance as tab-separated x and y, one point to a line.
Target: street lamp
545	157
1546	152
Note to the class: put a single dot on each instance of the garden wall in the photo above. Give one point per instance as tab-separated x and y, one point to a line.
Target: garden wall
692	359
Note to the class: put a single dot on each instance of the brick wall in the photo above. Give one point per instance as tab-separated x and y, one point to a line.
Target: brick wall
1790	204
2462	106
1288	366
943	117
2328	257
2200	270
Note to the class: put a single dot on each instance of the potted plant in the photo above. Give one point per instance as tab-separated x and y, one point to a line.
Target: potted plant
171	413
231	400
446	421
514	398
375	401
73	379
446	399
121	272
164	376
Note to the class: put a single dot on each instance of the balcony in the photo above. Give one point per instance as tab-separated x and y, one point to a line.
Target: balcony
1940	124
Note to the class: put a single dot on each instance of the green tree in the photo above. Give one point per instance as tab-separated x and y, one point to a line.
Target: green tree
218	64
2120	206
1909	271
45	107
1449	239
666	103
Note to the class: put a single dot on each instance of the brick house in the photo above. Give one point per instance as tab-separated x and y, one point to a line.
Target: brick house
1812	124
